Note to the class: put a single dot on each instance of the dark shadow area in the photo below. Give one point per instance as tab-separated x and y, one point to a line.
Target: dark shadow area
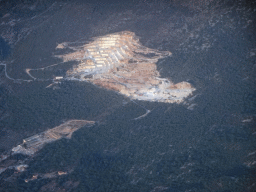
5	49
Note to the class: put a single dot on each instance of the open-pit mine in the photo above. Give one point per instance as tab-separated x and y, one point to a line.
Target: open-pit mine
121	63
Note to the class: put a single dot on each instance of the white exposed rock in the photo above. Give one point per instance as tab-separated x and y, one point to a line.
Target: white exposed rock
119	62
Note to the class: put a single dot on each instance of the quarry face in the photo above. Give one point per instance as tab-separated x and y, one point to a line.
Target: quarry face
121	63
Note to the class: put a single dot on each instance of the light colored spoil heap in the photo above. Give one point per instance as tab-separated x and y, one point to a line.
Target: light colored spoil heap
33	144
119	62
